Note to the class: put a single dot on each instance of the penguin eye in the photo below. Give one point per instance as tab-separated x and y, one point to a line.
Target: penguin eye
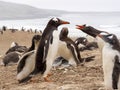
56	21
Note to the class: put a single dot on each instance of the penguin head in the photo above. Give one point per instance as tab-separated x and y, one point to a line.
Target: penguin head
109	38
36	39
88	30
57	22
81	40
63	33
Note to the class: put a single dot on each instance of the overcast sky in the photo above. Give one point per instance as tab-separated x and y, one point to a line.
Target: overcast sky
73	5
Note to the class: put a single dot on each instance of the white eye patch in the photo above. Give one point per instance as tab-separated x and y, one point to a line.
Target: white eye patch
103	33
76	41
110	37
84	40
55	19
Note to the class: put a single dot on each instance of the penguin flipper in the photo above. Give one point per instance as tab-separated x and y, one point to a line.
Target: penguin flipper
116	72
22	61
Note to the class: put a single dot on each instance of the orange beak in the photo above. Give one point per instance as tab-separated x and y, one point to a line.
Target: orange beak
79	27
64	22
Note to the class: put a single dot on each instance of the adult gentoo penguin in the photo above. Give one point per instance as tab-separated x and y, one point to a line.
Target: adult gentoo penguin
48	50
26	64
111	61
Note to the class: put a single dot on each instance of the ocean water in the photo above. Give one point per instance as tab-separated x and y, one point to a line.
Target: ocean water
109	22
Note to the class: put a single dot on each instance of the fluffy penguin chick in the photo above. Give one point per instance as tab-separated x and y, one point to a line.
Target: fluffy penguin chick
26	64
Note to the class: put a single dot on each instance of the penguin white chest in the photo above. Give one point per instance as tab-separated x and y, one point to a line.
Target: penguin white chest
108	57
58	48
54	46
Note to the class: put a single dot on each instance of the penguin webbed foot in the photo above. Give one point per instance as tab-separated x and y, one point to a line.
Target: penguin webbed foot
46	78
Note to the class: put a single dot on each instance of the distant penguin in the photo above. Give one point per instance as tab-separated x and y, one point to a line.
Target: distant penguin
48	49
26	64
111	61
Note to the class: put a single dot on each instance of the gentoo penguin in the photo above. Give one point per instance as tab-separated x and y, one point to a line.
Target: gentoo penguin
81	40
17	48
93	32
11	57
72	47
26	64
70	44
86	44
111	61
50	47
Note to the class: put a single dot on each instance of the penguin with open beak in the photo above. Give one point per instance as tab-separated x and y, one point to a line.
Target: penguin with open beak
48	47
111	61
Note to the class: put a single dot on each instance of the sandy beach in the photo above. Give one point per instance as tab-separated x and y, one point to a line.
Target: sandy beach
87	77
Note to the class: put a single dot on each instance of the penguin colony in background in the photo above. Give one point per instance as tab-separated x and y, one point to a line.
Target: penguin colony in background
26	63
110	48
